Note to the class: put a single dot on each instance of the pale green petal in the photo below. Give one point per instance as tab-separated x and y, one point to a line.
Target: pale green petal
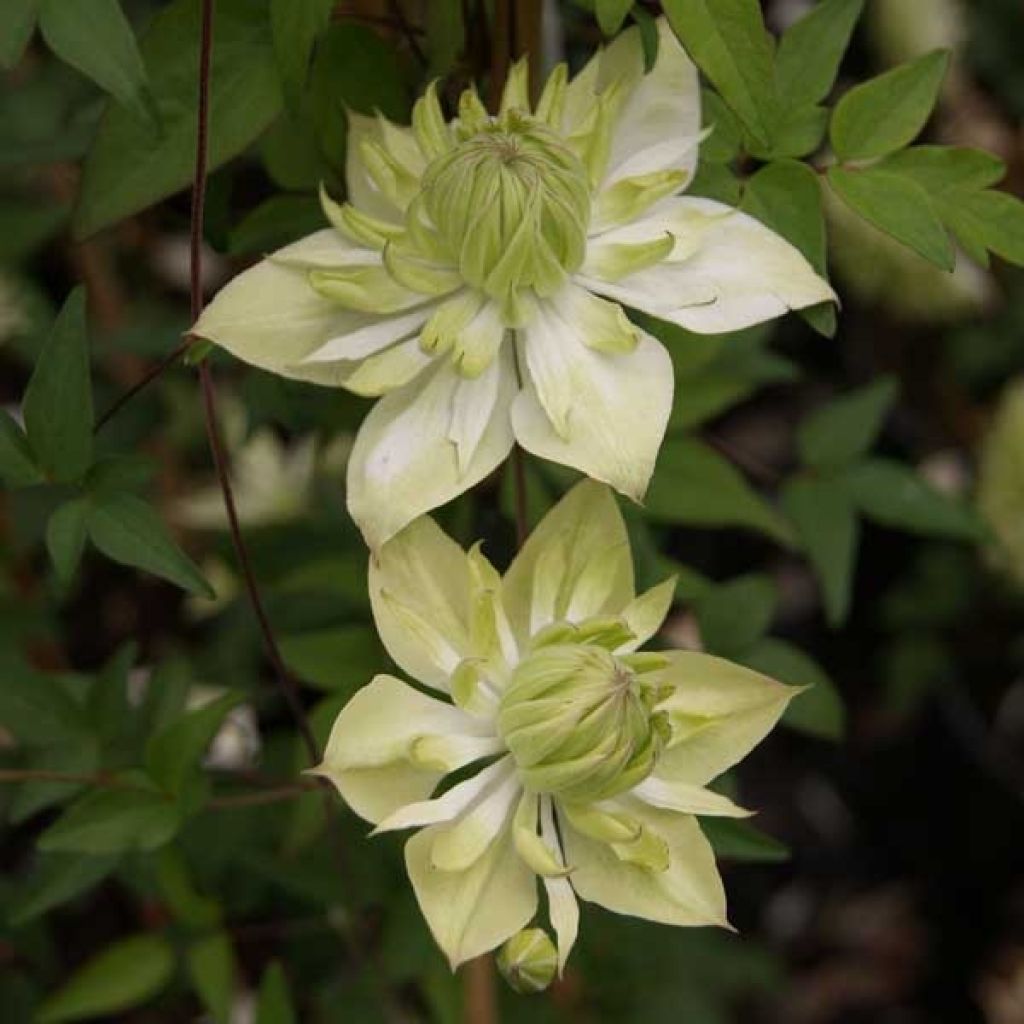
404	462
399	141
602	414
687	799
620	62
270	317
659	124
461	844
445	808
375	337
471	912
719	712
645	614
563	909
388	370
419	584
367	755
688	892
728	271
584	527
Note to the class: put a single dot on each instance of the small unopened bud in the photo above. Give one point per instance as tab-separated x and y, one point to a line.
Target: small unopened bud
528	961
579	723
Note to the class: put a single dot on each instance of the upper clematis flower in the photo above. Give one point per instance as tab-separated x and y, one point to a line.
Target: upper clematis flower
477	276
582	760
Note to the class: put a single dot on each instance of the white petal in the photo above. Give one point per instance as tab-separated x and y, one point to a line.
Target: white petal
470	912
727	272
659	124
459	845
372	338
550	571
563	909
686	798
472	408
271	317
603	414
367	755
419	584
388	370
404	464
688	892
444	808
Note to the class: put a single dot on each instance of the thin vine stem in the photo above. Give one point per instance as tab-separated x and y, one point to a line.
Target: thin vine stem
285	683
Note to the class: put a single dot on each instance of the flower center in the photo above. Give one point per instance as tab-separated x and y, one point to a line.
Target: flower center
512	203
579	724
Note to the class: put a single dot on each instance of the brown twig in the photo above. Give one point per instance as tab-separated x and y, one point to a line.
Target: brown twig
15	775
150	375
406	30
263	796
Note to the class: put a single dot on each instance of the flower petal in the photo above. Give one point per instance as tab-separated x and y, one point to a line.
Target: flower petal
563	909
367	755
602	414
688	892
470	912
271	317
459	845
719	712
419	584
553	569
658	127
645	614
686	798
404	463
728	271
450	805
373	338
398	142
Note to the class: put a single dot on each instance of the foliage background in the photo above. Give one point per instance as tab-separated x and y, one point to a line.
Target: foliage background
883	881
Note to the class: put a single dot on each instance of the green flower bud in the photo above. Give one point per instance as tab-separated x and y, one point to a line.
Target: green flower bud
528	961
512	202
580	724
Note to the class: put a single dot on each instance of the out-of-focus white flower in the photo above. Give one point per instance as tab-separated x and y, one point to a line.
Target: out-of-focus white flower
477	277
583	761
1001	481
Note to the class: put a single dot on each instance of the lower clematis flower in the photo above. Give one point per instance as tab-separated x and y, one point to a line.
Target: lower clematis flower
477	276
556	749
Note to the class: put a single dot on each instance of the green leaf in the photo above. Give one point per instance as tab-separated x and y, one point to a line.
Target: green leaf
826	523
57	878
723	144
65	538
166	695
899	207
274	223
734	615
735	839
179	893
611	14
35	707
818	711
17	22
887	112
339	658
119	473
694	485
58	400
715	181
275	1004
128	168
94	36
128	531
446	35
174	752
847	427
109	708
812	49
78	756
786	196
124	975
728	41
211	966
295	25
941	170
993	220
17	466
112	821
798	132
893	494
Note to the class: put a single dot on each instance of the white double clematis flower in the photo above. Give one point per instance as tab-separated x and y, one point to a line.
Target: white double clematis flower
475	280
582	760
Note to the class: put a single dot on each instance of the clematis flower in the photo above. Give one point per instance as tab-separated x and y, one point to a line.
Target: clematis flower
476	280
554	749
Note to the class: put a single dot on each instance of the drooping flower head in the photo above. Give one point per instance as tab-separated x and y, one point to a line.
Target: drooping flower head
583	761
477	275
